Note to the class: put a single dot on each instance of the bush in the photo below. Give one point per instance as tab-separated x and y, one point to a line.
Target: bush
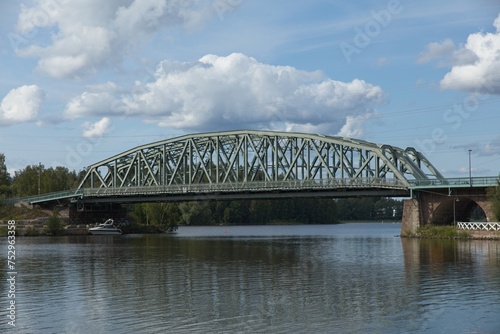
31	232
441	232
139	229
54	226
494	197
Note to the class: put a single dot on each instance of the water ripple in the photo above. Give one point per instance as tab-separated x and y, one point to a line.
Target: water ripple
345	282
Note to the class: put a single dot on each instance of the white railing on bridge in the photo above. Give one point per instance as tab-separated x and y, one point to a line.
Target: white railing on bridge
479	226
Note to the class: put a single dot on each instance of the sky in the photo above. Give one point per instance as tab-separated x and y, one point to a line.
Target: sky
82	80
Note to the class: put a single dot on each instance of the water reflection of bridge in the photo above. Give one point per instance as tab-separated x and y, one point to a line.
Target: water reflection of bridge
266	164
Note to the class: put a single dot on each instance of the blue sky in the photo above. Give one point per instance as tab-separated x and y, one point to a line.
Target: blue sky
82	80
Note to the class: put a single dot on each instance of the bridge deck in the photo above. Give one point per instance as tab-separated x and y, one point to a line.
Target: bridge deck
489	181
261	189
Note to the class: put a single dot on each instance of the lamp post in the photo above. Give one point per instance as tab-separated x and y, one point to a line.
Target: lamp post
454	215
39	175
470	170
454	211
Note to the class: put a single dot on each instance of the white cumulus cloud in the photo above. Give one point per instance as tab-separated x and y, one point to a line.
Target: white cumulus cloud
97	100
355	125
235	91
492	148
97	129
90	34
21	104
475	66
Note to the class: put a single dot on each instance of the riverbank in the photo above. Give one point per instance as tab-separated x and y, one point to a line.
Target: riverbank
39	222
31	229
451	232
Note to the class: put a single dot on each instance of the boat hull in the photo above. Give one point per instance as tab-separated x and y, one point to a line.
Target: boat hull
102	231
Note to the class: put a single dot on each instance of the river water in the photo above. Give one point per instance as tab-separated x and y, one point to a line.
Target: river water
349	278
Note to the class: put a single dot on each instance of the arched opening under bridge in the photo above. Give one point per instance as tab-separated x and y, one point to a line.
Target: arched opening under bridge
458	209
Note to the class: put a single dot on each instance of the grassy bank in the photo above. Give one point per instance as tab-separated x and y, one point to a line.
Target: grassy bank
10	212
438	232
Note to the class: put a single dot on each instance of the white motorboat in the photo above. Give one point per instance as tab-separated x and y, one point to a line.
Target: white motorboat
106	228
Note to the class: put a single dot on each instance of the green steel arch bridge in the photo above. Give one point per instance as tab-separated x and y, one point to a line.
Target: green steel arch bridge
257	164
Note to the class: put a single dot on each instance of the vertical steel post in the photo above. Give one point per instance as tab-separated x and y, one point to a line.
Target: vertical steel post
470	170
39	175
455	200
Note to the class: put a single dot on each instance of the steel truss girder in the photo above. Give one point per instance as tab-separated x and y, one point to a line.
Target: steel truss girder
255	156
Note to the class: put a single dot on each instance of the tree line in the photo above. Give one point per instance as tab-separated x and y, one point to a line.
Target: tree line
36	179
266	211
237	212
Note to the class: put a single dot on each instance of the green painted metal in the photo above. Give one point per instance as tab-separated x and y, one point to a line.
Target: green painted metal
463	182
48	197
254	156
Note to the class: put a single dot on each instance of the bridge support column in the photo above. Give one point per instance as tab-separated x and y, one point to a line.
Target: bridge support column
411	216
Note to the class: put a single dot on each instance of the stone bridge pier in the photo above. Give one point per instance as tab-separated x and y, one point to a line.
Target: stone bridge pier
445	206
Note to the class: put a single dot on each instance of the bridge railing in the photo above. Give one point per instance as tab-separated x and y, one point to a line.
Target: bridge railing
253	186
479	226
46	197
489	181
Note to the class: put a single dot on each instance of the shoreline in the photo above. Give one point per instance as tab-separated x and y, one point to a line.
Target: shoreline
39	227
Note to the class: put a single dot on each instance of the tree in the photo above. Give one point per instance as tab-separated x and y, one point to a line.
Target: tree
165	215
235	214
494	197
195	213
59	179
54	226
36	179
5	180
260	211
369	208
26	182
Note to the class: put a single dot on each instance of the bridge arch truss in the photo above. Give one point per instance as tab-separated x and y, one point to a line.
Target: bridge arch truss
255	161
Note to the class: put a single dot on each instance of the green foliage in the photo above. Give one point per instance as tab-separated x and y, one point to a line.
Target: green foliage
36	178
25	182
369	208
58	179
265	211
494	197
31	232
54	226
235	213
440	232
291	210
140	228
5	192
5	179
239	212
195	213
164	215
